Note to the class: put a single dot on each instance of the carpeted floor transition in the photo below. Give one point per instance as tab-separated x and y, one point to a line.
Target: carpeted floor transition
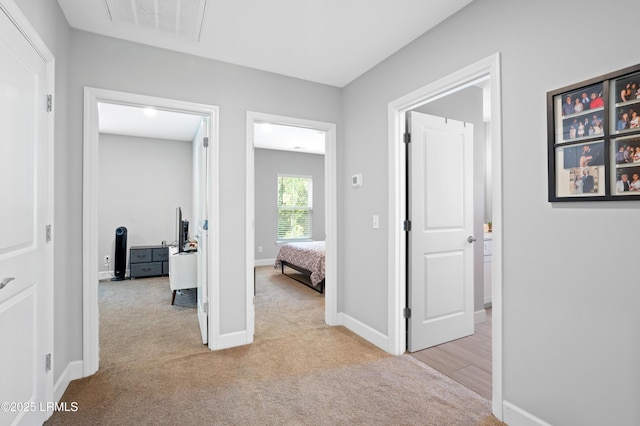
298	371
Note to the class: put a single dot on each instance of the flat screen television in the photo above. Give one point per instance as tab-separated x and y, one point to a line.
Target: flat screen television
182	230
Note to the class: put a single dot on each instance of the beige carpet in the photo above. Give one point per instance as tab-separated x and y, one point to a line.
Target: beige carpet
154	370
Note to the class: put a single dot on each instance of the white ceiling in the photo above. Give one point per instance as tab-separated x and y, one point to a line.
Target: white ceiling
132	121
326	41
288	138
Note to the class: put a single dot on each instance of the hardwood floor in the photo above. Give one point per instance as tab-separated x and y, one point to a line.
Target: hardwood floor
466	360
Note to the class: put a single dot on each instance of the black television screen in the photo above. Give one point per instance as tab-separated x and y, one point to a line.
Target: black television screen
179	233
185	234
182	230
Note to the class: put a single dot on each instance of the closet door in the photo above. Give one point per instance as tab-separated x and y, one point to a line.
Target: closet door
24	362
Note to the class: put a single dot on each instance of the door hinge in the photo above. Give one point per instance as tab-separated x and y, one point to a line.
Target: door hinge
48	233
49	103
47	362
205	308
407	138
406	225
205	142
407	313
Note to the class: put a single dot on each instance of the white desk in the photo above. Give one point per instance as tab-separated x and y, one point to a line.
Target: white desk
182	270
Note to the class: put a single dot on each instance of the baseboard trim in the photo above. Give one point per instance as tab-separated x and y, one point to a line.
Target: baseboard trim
366	332
516	416
265	262
73	371
479	316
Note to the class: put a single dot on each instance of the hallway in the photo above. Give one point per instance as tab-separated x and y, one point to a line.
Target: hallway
466	360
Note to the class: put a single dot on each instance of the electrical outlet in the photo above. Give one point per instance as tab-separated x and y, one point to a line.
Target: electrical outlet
107	260
259	249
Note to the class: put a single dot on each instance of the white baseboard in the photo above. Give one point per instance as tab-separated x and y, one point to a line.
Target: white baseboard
265	262
366	332
73	371
516	416
479	316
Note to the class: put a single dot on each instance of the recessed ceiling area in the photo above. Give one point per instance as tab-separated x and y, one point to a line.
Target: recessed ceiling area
288	138
148	122
326	41
143	122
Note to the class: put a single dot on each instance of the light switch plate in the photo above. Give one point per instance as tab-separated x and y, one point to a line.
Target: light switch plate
356	181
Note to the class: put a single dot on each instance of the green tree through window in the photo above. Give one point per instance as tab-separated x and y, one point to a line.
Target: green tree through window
295	207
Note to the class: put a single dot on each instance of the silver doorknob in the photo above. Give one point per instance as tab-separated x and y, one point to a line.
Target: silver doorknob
6	281
470	239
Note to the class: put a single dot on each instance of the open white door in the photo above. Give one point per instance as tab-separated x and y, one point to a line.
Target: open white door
202	189
441	237
24	167
203	318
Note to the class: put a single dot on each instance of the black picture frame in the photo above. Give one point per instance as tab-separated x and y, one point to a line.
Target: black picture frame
593	132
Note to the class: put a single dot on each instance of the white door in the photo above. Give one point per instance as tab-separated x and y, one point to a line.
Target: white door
23	214
202	185
441	237
203	318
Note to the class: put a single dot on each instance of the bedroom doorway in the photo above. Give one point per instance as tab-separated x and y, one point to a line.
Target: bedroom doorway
486	69
91	195
262	240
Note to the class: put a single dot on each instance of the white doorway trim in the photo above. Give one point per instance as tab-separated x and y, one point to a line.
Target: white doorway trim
90	194
489	67
330	291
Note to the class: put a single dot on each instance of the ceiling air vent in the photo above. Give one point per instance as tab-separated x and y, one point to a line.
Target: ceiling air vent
179	17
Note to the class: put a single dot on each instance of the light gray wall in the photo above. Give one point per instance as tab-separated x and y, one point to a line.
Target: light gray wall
570	316
141	182
466	106
112	64
571	321
268	164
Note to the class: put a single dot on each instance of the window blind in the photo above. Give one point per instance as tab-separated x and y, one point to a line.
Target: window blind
295	207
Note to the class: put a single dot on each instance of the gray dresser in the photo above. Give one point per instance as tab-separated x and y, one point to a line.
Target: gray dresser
148	261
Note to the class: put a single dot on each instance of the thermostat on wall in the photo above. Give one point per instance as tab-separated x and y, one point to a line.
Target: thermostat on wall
356	181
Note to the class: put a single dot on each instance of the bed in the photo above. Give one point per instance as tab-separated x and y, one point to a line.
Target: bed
305	257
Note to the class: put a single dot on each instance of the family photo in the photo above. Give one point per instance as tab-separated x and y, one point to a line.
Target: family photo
628	180
584	126
585	155
582	100
627	151
583	180
628	118
628	89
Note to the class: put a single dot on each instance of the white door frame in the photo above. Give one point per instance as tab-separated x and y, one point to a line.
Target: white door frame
90	195
330	290
14	13
489	67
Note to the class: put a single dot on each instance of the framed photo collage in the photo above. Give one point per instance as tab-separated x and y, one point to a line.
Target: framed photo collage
594	139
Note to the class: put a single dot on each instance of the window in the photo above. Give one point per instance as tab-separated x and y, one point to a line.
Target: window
295	207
